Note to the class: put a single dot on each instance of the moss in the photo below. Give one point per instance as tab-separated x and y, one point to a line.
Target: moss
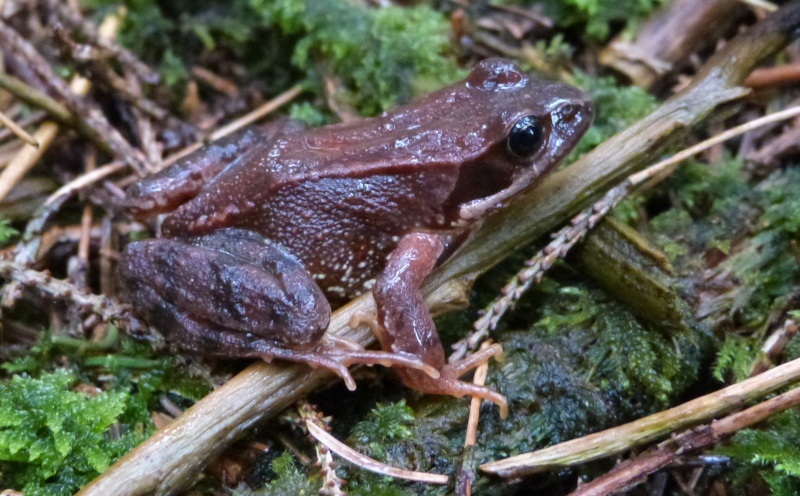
616	108
770	453
381	56
289	481
53	440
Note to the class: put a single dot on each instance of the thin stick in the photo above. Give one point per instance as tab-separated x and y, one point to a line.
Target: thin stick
466	475
17	130
479	379
632	472
368	463
625	437
761	4
662	169
230	128
29	155
85	180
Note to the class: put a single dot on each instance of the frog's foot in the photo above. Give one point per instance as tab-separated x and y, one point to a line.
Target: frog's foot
315	360
461	367
449	384
338	359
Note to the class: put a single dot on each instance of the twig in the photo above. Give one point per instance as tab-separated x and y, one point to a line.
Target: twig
367	463
761	4
85	180
59	289
247	119
771	76
17	130
622	438
632	472
27	158
55	110
32	119
71	94
26	252
773	346
30	155
331	483
466	473
73	18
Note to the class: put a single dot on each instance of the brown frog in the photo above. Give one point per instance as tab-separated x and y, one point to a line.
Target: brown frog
262	226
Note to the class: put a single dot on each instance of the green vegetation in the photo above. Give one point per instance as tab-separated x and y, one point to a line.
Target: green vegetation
382	56
771	454
53	440
288	481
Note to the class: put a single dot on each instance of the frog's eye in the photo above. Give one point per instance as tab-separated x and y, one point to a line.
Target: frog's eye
526	137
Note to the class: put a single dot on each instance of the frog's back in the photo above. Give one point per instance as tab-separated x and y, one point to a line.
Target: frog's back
341	224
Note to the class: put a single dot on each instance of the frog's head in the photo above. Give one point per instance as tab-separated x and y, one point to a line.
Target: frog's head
518	129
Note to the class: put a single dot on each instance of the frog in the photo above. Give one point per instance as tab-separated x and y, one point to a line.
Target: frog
261	233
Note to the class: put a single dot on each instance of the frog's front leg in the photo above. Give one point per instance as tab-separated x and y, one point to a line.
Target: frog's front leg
235	293
408	326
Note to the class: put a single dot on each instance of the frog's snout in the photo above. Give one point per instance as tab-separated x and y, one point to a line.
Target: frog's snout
575	115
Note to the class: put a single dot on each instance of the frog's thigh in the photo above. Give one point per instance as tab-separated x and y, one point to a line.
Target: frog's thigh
252	287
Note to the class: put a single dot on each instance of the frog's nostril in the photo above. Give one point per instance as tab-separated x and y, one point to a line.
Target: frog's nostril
576	112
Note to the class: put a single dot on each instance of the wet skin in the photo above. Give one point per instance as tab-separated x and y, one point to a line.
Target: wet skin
263	229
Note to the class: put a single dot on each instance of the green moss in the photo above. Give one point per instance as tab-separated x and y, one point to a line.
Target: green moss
385	424
381	56
7	233
289	481
770	453
616	108
54	440
586	364
736	357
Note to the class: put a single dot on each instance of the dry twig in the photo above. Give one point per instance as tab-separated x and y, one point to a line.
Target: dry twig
367	463
619	439
632	472
18	131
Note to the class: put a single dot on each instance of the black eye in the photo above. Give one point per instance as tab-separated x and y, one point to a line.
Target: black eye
526	137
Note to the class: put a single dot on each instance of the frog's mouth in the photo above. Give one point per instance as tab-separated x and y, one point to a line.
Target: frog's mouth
570	119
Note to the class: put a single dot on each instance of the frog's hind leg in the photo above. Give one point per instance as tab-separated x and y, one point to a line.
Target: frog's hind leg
235	293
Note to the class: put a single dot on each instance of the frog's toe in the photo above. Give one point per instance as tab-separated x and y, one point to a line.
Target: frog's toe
449	384
461	367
